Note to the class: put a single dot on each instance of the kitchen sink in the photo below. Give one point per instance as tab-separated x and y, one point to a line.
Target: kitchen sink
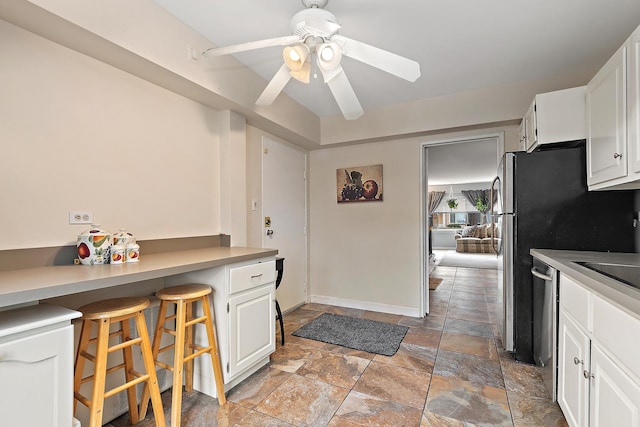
629	274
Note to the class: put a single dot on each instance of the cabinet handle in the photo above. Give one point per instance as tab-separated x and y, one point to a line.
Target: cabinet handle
617	155
256	276
577	361
587	374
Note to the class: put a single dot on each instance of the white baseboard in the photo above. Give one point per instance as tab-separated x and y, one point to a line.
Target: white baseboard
366	305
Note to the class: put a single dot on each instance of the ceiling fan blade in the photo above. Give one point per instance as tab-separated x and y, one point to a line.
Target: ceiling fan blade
386	61
243	47
343	93
275	86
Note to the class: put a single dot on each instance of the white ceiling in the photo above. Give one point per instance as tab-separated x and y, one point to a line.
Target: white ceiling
460	45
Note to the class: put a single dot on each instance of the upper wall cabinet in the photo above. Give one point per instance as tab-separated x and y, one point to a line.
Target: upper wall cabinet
555	117
613	120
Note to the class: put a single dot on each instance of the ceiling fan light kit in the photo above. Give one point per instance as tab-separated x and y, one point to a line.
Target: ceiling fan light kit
295	56
329	56
314	32
303	74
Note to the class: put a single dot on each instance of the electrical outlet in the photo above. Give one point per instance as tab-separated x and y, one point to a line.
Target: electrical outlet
77	217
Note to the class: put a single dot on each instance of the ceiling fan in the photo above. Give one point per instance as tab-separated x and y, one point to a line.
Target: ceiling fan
314	32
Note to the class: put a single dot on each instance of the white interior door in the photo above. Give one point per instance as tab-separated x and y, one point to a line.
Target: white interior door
284	204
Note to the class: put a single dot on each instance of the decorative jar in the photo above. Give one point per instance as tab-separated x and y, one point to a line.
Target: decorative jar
118	254
123	237
94	246
133	252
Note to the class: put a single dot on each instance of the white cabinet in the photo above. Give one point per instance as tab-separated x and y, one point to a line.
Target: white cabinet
529	128
613	120
598	373
554	117
251	316
522	135
573	356
36	366
615	396
606	112
244	313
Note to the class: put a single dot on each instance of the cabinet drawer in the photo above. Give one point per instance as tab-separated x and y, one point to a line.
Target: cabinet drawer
251	276
617	331
577	301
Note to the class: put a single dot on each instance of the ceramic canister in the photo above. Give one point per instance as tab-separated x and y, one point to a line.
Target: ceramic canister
133	252
118	254
94	246
122	237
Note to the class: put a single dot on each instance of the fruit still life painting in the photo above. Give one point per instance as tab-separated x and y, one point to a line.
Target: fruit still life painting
359	184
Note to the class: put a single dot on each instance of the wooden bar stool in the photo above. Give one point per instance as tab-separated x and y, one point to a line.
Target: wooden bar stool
104	314
184	296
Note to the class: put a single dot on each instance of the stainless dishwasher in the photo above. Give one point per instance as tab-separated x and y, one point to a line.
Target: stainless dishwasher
545	323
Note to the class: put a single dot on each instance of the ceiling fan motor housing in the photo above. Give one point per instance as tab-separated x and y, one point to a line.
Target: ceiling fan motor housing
320	4
314	22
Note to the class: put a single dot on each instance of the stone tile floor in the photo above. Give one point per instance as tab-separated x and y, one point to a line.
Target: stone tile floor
449	371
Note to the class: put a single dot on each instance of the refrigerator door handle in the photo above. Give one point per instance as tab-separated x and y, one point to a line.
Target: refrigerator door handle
491	194
494	244
494	241
540	275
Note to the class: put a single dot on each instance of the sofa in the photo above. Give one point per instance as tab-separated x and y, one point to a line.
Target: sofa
477	239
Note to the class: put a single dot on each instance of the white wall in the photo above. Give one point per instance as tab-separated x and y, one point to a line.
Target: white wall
367	254
76	134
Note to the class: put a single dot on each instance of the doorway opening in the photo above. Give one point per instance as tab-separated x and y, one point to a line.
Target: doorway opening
457	176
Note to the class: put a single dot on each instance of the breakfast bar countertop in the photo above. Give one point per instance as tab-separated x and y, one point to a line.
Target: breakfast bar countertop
34	284
566	262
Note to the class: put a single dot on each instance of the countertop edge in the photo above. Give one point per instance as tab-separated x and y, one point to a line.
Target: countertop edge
33	284
619	293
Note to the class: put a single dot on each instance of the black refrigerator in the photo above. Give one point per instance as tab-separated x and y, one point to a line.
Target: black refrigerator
542	202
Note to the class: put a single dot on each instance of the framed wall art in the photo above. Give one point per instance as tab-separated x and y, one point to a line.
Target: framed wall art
359	184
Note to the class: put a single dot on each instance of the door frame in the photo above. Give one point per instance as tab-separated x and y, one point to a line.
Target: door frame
424	202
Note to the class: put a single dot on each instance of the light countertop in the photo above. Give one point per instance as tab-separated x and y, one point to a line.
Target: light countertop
33	284
565	261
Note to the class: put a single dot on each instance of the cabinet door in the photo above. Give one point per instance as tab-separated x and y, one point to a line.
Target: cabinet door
606	121
530	126
573	359
633	101
36	379
251	328
522	135
615	397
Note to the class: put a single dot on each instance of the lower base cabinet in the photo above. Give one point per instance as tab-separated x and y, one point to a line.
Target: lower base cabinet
615	397
598	384
252	317
36	366
573	356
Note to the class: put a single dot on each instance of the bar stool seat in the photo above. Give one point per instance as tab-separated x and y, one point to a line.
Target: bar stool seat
184	296
104	314
183	292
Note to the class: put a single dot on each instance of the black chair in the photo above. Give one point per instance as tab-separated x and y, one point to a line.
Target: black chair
279	269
